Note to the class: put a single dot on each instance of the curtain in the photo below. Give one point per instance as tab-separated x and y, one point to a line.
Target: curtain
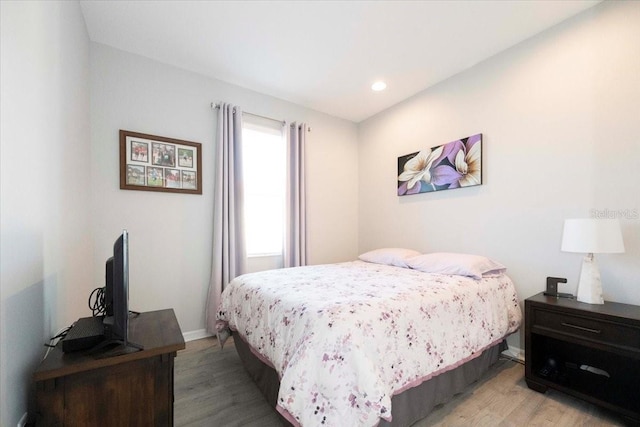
229	252
295	248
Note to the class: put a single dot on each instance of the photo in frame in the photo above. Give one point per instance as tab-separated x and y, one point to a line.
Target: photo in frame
185	158
164	154
156	163
189	179
135	175
456	164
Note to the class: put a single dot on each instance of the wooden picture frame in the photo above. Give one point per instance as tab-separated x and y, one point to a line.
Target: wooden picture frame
156	163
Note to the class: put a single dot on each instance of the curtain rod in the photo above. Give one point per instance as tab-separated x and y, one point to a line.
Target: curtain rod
216	106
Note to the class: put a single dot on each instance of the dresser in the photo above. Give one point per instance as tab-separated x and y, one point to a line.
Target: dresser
132	389
586	350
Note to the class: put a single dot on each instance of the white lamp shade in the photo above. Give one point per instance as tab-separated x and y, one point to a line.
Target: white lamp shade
596	236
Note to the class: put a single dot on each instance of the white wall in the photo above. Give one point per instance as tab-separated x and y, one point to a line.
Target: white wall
45	245
560	115
170	234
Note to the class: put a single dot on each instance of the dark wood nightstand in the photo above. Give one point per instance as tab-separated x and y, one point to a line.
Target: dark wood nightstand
589	351
134	389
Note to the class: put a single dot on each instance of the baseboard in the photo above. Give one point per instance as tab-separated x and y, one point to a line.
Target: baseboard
196	335
515	353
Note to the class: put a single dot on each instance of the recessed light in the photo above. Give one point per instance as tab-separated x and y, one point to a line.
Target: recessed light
378	86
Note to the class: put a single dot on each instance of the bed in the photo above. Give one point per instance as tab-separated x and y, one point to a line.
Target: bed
367	343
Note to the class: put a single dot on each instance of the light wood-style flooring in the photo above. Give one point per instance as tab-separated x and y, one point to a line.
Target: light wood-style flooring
212	389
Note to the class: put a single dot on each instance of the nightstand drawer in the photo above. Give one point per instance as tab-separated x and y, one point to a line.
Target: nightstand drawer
605	332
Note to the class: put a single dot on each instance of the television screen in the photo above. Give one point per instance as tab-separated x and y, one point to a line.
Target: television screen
116	321
108	289
110	334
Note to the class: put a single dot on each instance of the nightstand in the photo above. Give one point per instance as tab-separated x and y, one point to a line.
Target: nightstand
589	351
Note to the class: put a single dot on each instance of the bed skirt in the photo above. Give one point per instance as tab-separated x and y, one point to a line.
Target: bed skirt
407	407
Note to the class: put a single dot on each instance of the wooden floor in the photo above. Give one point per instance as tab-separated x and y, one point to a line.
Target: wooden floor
212	389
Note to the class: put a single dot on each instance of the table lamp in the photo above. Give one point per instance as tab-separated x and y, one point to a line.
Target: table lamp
591	236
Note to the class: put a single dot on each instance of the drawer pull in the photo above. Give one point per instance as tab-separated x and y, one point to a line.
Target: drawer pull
582	328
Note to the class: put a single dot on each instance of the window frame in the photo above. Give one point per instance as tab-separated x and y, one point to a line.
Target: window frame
272	128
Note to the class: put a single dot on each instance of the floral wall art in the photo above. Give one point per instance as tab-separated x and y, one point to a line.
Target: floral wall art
453	165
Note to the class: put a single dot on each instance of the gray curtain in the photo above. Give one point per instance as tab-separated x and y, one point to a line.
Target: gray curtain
295	248
229	252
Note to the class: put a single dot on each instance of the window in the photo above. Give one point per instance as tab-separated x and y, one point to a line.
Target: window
264	169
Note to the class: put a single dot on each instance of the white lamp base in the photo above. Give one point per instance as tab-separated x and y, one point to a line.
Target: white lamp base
590	286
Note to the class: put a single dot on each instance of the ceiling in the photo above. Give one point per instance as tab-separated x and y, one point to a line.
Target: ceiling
324	55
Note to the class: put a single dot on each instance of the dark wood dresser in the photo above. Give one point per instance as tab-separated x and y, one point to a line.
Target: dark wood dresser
587	350
133	389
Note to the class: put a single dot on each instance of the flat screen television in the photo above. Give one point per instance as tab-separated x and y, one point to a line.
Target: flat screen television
116	295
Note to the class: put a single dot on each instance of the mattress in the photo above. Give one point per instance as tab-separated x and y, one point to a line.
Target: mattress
344	339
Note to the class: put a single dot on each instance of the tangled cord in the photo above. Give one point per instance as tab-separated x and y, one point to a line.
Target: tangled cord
61	334
53	341
96	302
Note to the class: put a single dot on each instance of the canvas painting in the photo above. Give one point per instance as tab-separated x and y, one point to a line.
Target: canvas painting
456	164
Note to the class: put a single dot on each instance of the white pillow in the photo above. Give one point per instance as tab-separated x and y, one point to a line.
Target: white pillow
389	256
475	266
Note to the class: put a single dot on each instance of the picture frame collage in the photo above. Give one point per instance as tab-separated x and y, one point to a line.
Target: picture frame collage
156	163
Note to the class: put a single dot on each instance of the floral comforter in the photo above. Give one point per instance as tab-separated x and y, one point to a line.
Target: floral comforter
345	338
